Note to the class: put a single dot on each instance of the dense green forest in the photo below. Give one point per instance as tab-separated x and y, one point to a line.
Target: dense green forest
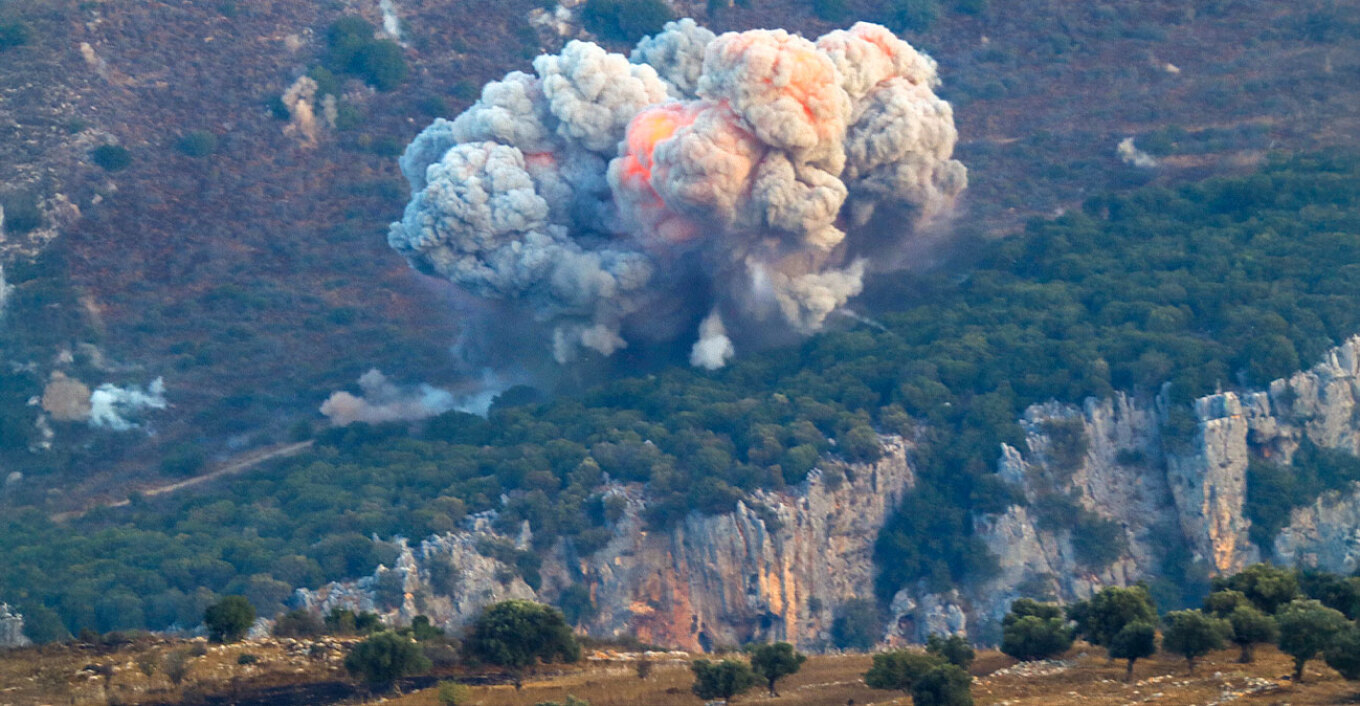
1225	283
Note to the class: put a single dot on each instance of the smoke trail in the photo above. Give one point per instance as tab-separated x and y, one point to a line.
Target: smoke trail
702	186
110	405
381	400
390	22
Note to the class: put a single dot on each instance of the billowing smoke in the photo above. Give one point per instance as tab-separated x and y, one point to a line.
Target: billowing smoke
381	400
720	189
111	407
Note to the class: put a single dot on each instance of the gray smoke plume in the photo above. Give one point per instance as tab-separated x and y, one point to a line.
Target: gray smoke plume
381	400
703	185
111	406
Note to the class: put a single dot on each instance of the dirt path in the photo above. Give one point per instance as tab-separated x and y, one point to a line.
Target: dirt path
238	464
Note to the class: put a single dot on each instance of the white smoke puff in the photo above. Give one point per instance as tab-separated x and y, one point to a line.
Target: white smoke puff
298	99
868	54
677	54
785	91
110	405
381	400
594	93
330	110
390	22
714	348
6	289
1130	154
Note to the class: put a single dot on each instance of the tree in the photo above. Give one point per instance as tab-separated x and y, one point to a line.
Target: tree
721	680
1034	630
945	685
1306	628
1267	587
953	649
384	658
776	661
1343	654
1108	612
229	619
515	635
1250	627
1192	634
899	670
1222	603
1133	642
298	623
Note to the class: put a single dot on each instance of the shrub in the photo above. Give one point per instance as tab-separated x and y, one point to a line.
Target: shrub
1034	630
451	693
298	623
857	625
385	658
721	680
111	158
625	20
518	634
900	670
22	214
197	144
945	685
953	649
13	34
246	658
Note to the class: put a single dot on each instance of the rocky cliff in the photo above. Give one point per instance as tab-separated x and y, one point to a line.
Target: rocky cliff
1178	503
777	567
1114	495
11	628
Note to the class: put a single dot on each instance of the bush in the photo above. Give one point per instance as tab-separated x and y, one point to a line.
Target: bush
298	623
111	158
857	626
914	15
354	50
900	670
385	658
451	693
953	649
13	34
22	214
183	460
1034	630
518	634
625	20
945	685
721	680
197	144
246	658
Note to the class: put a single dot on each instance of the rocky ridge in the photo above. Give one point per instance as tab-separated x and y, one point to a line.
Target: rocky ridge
780	565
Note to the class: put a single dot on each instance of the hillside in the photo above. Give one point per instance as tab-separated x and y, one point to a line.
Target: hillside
270	251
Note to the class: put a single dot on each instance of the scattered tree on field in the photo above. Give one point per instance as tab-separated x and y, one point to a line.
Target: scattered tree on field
773	662
229	619
1192	634
516	635
1306	628
1251	627
1135	641
945	685
384	658
1034	630
721	680
953	649
900	670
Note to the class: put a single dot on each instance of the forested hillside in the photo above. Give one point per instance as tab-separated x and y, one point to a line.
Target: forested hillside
1221	284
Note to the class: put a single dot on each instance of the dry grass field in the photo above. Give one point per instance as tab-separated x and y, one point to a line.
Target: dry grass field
1086	678
58	676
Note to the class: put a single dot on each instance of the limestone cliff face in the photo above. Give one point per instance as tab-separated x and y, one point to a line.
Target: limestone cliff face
11	628
781	563
1163	492
777	567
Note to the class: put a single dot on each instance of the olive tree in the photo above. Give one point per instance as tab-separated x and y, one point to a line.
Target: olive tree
1307	628
517	634
776	661
1192	634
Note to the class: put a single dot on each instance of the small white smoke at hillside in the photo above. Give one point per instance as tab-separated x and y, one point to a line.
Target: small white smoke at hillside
112	407
381	400
1130	154
715	189
391	23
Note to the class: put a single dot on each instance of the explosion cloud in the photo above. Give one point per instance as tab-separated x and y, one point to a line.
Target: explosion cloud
715	188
